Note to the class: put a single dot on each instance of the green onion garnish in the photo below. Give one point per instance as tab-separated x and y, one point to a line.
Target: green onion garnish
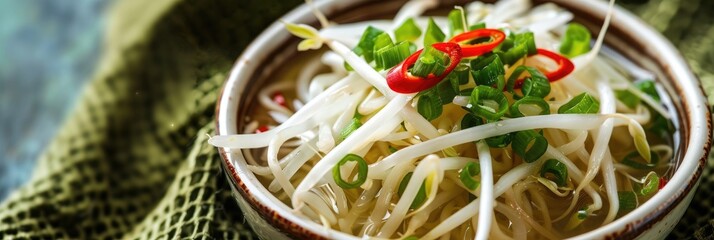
626	97
576	41
469	120
408	31
420	196
536	85
489	71
365	46
461	73
411	238
556	171
431	61
351	127
361	171
517	46
650	185
628	201
429	106
635	160
381	42
433	33
392	149
488	102
530	106
456	23
391	56
477	26
447	89
529	145
581	104
649	88
468	173
500	141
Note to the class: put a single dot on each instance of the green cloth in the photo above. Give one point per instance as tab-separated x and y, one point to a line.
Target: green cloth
132	160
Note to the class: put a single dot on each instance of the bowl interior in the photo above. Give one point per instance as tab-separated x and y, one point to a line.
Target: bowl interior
627	35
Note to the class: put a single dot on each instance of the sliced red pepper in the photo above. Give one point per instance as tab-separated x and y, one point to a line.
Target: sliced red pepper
474	50
565	67
662	183
279	98
401	80
261	129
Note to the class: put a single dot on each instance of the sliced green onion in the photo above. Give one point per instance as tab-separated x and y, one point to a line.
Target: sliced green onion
456	23
530	106
468	173
420	196
628	201
500	141
582	214
447	89
391	56
576	41
431	61
351	127
429	106
636	161
529	145
649	88
469	120
535	85
408	31
433	33
650	184
581	104
381	42
411	238
517	46
365	46
461	73
488	102
626	97
556	171
477	26
489	71
361	171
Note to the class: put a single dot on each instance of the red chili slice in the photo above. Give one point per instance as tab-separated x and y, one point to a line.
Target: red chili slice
662	183
400	80
565	67
262	129
474	50
279	98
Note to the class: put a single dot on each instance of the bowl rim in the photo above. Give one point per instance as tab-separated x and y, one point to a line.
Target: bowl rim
695	106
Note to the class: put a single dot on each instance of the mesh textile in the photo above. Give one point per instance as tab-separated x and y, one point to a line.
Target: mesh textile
132	160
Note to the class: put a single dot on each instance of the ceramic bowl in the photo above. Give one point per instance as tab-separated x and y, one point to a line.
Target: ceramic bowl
627	35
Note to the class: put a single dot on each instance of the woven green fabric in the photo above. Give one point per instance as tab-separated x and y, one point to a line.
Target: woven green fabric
132	160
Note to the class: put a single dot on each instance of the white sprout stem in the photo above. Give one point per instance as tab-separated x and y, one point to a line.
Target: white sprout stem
559	121
471	209
519	226
584	60
486	197
303	81
607	100
274	146
428	166
295	160
356	140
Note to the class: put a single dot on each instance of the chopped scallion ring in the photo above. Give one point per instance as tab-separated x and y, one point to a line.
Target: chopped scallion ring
433	33
536	85
581	104
556	171
408	31
488	71
628	201
576	41
488	102
530	106
468	173
351	127
362	169
529	145
634	160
